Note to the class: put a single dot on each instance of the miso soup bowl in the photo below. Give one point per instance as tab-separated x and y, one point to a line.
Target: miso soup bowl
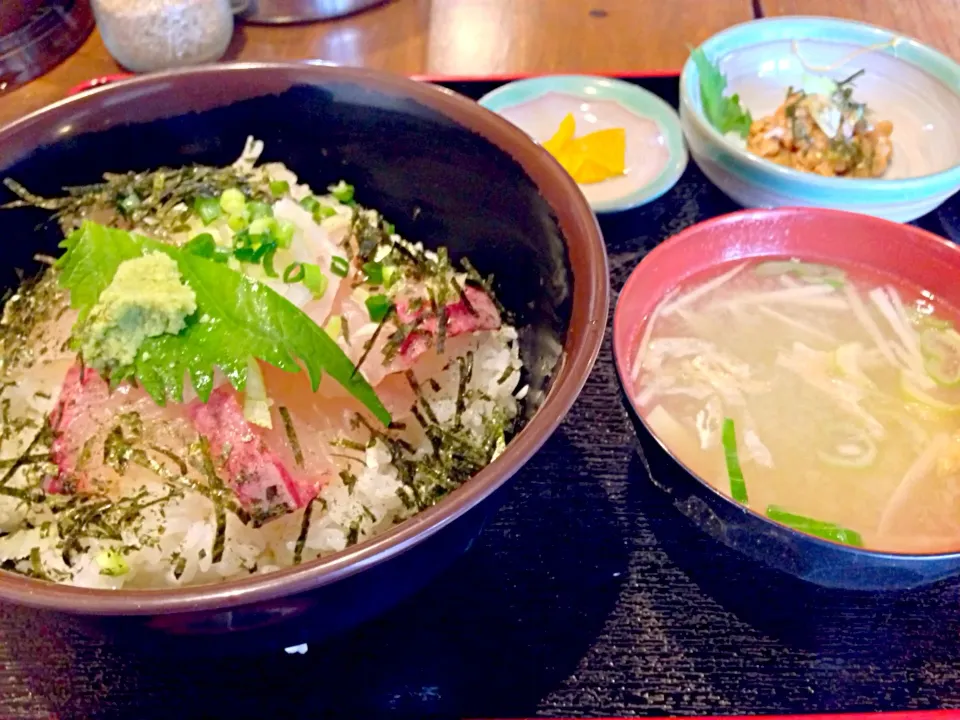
904	81
446	172
903	251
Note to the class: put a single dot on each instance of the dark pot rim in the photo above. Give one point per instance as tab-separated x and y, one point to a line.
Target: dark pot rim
626	326
201	88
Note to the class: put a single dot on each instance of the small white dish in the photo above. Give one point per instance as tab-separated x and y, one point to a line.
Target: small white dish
655	152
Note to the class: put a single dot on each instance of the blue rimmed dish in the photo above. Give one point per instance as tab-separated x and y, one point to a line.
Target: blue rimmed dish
655	152
904	81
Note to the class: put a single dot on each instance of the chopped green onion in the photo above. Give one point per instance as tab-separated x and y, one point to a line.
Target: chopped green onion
268	262
941	355
310	203
808	272
932	321
130	203
912	390
853	447
262	225
254	248
294	273
244	254
208	208
263	247
314	280
322	212
391	273
389	228
279	187
237	223
259	210
283	232
112	563
342	191
378	306
738	488
233	202
825	530
373	272
243	239
202	245
339	266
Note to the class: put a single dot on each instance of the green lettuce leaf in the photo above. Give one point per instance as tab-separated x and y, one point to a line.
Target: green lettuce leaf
236	319
724	113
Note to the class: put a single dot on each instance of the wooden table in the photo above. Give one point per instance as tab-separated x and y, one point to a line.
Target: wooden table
936	22
473	37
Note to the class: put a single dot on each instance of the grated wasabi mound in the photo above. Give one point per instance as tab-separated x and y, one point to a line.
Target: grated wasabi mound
146	298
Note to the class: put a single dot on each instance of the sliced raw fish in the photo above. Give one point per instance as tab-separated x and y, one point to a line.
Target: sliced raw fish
264	471
93	426
316	243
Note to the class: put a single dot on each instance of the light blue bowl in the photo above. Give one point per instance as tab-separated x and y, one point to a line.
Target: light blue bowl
914	86
656	154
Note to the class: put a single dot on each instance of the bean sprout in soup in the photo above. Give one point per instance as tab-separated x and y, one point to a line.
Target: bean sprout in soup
825	398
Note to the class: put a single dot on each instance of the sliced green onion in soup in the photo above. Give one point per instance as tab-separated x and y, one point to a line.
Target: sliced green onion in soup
852	448
941	355
818	528
932	321
913	391
808	272
846	359
738	487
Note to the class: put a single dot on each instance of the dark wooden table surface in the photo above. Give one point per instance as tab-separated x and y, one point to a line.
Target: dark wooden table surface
587	595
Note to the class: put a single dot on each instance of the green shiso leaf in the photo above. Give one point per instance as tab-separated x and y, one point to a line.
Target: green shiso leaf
724	113
237	318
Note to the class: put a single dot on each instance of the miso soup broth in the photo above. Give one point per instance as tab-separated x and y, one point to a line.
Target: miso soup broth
825	398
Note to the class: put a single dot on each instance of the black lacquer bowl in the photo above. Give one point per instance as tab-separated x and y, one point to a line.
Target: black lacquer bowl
447	172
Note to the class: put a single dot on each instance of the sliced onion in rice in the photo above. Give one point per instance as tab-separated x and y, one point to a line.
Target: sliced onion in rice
256	404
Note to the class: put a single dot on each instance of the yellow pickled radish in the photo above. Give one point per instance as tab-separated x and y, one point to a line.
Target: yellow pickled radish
564	134
592	158
606	148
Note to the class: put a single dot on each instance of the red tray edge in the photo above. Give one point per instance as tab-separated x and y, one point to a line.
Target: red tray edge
432	78
893	715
